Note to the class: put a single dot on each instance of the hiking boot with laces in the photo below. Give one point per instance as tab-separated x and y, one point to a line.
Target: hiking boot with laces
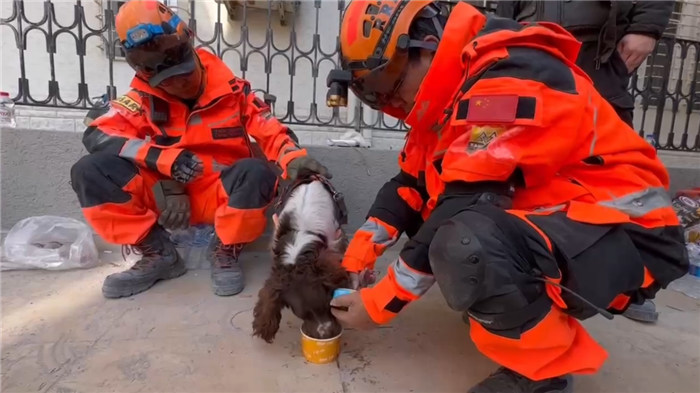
226	273
159	261
508	381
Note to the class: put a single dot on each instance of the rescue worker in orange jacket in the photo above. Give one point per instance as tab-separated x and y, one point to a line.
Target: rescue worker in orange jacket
524	195
183	129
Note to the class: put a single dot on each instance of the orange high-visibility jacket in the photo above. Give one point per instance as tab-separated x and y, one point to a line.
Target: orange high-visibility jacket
151	128
504	100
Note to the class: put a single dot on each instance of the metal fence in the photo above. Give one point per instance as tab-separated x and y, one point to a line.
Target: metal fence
667	89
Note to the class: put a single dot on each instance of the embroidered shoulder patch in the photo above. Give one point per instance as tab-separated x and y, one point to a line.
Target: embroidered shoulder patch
482	136
128	103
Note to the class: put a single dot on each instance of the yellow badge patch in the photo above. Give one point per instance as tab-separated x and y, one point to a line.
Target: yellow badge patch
129	103
481	137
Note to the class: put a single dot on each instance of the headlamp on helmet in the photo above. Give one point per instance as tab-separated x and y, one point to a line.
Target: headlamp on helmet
338	82
145	32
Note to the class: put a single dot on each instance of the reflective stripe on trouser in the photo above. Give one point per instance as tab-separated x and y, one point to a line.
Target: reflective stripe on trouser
117	198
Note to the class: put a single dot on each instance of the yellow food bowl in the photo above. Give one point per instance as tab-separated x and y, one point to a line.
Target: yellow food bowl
320	351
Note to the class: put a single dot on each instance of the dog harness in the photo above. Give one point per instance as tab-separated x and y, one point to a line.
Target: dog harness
340	211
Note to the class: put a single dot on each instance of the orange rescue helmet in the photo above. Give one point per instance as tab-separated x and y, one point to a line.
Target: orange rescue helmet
157	43
374	44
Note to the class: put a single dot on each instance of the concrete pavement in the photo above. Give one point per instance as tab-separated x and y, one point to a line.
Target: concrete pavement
60	335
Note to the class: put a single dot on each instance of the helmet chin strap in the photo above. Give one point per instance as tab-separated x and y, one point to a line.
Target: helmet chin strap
431	11
432	46
438	26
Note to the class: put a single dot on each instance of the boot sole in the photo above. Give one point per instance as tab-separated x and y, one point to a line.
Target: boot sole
642	316
114	293
228	291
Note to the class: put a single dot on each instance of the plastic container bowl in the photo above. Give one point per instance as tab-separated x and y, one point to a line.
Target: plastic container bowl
342	292
320	351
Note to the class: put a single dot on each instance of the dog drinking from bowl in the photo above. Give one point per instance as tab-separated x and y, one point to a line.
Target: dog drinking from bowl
307	250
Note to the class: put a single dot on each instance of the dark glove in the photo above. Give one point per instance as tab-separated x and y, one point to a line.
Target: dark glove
175	211
186	167
363	279
303	167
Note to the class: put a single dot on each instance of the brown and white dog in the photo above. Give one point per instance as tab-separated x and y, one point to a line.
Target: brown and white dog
307	248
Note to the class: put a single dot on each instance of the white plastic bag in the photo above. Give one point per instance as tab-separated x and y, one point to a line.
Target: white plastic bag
49	242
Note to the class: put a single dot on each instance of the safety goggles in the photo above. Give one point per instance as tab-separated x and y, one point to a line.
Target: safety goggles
378	87
162	58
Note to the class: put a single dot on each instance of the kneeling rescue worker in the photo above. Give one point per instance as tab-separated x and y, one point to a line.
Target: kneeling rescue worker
183	128
524	195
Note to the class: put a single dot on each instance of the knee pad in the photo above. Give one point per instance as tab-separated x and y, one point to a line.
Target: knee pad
457	259
485	271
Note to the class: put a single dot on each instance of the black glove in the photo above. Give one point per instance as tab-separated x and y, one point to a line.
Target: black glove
303	167
186	167
176	212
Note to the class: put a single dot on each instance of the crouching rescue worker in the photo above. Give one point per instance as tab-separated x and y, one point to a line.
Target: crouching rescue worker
524	195
183	128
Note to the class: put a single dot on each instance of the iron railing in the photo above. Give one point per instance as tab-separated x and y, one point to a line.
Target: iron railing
667	90
667	94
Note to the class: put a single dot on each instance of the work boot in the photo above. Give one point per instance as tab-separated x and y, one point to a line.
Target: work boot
645	312
159	261
508	381
226	272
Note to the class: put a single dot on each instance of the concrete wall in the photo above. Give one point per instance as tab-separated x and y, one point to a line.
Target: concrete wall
35	174
35	167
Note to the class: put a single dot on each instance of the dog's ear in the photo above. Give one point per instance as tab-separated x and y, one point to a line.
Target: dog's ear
268	310
283	235
334	275
341	242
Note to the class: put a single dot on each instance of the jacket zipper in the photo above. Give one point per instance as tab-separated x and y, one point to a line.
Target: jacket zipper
209	105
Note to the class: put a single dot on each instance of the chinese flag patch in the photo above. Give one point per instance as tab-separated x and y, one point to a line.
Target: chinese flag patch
492	108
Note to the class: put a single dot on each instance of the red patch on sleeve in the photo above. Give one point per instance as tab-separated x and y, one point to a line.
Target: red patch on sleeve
492	109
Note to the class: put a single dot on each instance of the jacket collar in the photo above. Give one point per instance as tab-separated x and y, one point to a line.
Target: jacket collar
447	67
